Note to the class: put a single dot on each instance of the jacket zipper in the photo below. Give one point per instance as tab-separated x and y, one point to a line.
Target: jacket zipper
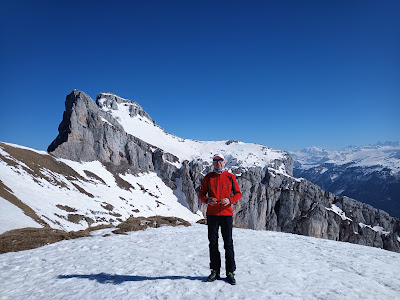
220	192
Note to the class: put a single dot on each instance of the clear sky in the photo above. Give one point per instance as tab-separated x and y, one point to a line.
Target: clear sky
285	74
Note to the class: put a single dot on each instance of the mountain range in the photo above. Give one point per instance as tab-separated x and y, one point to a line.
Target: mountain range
111	161
370	174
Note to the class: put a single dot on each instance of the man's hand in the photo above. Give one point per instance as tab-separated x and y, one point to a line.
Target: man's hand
225	202
212	201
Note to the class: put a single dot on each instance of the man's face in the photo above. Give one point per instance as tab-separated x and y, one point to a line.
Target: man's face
218	163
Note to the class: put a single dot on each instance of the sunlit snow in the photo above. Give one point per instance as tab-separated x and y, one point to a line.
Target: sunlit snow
236	153
378	156
172	263
338	211
11	217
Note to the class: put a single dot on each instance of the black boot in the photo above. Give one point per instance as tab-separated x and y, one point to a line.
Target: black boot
213	276
230	278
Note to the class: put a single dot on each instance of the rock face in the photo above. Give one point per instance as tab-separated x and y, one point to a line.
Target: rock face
271	199
84	136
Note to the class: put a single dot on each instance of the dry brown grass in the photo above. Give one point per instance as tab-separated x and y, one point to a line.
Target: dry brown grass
30	238
116	171
37	162
141	223
94	176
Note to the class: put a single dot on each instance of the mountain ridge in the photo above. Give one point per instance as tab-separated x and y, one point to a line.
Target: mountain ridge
130	166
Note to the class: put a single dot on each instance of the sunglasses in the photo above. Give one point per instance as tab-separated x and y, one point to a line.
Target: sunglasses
218	160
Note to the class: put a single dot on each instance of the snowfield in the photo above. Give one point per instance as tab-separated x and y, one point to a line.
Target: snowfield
172	263
12	217
380	156
237	153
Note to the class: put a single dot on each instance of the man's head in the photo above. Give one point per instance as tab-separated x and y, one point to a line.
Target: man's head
218	162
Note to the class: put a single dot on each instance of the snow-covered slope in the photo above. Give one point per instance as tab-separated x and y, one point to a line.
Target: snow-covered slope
139	124
172	263
12	217
71	195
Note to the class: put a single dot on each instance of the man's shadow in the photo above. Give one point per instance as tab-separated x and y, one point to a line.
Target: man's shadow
118	279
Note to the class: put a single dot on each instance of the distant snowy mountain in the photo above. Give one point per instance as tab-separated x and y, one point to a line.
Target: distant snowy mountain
367	173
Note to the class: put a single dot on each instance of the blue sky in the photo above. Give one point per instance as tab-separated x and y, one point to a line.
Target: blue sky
286	74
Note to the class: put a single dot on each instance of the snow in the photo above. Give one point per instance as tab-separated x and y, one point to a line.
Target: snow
148	197
341	213
323	170
12	217
378	156
105	121
172	263
280	171
114	95
376	228
338	211
25	148
236	153
8	156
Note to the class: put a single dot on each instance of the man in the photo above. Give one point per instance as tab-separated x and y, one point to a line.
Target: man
219	190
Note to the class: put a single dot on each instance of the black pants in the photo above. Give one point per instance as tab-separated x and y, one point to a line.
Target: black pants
225	222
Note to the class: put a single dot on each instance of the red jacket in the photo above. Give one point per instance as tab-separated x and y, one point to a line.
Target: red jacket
219	186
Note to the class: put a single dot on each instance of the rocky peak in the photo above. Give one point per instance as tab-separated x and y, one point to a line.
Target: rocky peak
110	101
88	133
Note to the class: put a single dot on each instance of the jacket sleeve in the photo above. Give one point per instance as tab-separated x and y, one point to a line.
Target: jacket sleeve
236	191
204	190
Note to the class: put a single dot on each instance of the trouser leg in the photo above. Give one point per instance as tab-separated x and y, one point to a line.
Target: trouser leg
215	257
226	230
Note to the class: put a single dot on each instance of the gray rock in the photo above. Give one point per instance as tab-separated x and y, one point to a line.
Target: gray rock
85	136
110	101
165	169
272	201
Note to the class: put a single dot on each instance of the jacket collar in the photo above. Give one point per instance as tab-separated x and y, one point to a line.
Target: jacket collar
219	172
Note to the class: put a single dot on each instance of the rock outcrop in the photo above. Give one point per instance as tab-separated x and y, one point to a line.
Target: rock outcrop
111	101
85	136
272	199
